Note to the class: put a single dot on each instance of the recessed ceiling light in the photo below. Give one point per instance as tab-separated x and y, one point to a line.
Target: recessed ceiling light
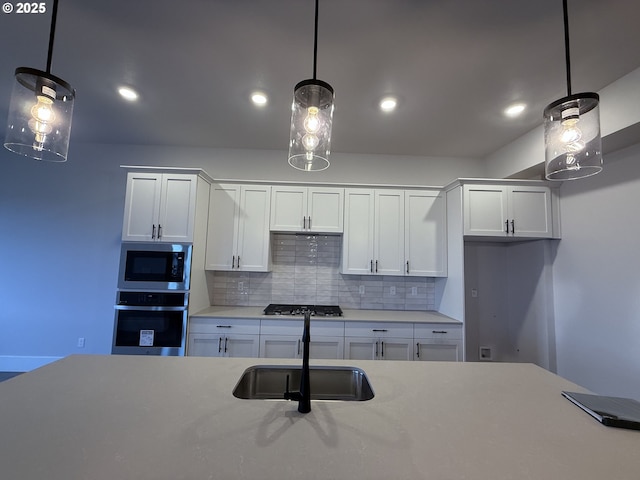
514	110
128	93
388	104
259	99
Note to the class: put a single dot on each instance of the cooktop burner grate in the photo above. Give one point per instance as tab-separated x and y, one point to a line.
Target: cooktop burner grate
317	310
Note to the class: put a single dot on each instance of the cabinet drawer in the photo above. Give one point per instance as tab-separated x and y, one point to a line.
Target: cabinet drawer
224	326
378	329
295	326
438	331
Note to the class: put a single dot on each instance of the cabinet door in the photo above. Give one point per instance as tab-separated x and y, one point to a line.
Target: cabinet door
177	208
204	345
396	348
326	347
357	241
289	209
361	348
438	351
253	251
389	232
280	346
224	203
485	210
325	212
530	210
425	246
141	205
241	346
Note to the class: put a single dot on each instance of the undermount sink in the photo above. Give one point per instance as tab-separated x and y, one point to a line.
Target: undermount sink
269	382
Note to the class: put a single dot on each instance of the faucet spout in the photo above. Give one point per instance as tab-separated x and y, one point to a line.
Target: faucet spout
303	395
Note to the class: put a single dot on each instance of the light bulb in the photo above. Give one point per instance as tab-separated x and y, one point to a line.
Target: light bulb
571	136
312	122
310	142
42	117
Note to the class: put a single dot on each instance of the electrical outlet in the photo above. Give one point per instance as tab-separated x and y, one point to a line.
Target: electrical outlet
80	342
474	293
392	290
240	286
414	291
361	290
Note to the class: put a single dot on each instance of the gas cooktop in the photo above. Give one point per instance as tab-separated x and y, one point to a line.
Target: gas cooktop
317	310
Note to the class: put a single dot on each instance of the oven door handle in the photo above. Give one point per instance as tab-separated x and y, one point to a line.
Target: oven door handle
152	308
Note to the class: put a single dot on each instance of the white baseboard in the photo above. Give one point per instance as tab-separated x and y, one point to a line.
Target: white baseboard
16	363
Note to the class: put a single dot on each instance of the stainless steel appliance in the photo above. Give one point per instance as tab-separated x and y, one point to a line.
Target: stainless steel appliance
150	323
316	310
154	266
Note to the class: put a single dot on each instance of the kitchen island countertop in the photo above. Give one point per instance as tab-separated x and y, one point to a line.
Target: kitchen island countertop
347	315
125	417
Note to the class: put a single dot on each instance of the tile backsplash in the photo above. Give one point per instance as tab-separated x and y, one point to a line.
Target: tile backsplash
305	270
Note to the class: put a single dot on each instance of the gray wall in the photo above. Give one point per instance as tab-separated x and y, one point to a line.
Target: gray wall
61	225
596	278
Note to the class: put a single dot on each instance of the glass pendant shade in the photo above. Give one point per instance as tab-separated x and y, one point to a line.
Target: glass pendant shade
311	121
573	145
40	112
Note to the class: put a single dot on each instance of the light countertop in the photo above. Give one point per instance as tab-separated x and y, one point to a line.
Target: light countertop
125	417
347	315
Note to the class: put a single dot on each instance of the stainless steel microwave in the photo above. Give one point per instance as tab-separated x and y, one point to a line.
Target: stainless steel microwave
155	266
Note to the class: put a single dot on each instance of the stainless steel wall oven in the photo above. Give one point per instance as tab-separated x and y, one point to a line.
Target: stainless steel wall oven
150	323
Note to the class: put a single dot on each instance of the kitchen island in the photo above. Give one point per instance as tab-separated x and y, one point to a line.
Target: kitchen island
136	417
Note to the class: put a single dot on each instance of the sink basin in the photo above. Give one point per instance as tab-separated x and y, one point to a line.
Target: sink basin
327	383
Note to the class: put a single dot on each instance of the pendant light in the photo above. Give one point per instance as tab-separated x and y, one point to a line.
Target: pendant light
573	146
39	121
311	119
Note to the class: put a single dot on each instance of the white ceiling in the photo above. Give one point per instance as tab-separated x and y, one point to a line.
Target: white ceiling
454	64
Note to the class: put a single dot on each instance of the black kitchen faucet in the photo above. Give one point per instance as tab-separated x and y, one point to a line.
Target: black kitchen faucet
303	396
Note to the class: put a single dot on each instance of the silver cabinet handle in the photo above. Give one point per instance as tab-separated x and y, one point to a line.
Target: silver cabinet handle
159	231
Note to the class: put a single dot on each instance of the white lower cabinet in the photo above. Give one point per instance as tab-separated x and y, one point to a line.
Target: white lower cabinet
211	337
378	341
433	342
283	339
330	339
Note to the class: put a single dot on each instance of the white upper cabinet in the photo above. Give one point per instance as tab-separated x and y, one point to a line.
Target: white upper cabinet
394	232
507	211
373	241
238	228
307	209
159	207
425	240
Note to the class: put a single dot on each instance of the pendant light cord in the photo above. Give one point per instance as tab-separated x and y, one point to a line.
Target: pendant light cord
566	46
52	34
315	42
